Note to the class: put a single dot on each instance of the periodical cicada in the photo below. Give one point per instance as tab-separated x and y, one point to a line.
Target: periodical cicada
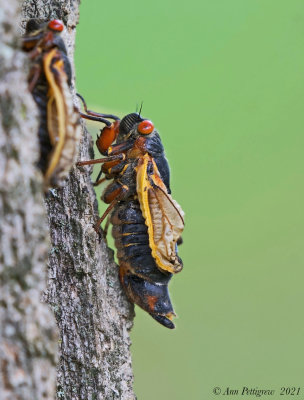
147	222
50	81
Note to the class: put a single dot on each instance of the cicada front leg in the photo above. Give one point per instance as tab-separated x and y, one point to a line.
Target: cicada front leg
96	114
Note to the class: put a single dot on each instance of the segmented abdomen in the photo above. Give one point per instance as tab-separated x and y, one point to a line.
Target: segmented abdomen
144	283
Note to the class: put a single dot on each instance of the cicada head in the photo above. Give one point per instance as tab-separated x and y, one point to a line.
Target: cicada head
41	33
127	125
134	125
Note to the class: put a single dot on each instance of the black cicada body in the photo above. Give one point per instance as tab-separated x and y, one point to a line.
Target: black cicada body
147	222
50	81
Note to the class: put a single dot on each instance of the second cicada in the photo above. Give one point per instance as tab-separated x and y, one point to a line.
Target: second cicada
49	82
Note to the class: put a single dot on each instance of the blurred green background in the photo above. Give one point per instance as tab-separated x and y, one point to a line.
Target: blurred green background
223	83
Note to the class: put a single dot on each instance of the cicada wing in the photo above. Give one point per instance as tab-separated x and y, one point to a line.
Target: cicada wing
62	119
163	216
56	118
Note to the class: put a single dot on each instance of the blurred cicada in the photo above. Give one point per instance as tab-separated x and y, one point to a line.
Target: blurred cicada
147	222
49	81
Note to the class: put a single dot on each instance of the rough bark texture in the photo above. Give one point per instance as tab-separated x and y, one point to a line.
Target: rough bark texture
28	341
92	313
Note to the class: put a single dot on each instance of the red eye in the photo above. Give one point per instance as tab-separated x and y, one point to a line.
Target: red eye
145	127
56	25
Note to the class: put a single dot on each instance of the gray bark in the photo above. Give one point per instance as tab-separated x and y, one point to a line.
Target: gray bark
92	313
28	341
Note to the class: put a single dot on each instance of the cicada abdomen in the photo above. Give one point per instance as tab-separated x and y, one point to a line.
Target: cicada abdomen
143	282
49	81
147	222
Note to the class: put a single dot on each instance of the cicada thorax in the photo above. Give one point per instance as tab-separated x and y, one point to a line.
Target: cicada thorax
49	81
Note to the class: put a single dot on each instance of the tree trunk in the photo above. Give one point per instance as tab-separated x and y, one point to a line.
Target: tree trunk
93	315
28	341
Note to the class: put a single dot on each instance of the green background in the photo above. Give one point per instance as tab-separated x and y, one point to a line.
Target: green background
223	82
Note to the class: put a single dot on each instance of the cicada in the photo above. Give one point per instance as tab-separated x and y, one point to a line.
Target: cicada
50	81
147	221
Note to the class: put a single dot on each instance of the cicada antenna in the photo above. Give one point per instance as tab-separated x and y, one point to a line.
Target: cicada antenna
141	106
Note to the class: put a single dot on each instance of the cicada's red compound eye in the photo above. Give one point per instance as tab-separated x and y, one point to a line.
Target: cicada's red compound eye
145	127
56	25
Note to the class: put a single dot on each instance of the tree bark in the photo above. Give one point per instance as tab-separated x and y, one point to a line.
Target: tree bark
93	315
28	341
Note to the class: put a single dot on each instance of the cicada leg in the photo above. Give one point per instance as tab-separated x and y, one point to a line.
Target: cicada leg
98	181
101	160
105	231
115	160
34	76
112	197
95	114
